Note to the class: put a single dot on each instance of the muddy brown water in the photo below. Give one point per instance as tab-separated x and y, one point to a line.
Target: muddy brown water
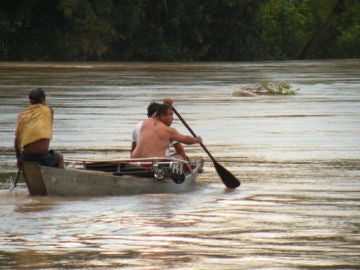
298	158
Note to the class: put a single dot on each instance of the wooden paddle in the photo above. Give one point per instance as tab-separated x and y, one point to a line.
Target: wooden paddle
228	179
16	179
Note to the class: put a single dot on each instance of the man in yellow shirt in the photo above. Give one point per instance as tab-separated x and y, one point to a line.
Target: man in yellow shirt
34	132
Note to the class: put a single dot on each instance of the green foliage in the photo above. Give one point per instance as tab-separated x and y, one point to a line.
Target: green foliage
87	30
285	26
347	36
177	30
275	88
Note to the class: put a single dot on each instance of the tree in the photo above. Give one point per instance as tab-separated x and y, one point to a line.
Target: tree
314	41
284	25
178	30
87	28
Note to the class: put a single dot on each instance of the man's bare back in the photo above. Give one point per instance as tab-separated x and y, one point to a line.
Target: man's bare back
156	134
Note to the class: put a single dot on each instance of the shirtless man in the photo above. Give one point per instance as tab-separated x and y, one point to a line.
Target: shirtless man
156	134
34	132
151	113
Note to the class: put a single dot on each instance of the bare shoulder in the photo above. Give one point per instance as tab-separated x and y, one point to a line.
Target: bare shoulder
172	130
147	122
173	134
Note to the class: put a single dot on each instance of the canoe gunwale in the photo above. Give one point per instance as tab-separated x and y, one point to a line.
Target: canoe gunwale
160	168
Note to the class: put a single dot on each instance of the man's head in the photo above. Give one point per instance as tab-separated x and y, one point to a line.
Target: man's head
37	96
165	114
152	109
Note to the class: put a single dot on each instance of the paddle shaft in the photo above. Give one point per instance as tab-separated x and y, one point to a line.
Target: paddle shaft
228	179
193	133
17	177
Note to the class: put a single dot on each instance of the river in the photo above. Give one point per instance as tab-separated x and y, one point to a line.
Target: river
297	156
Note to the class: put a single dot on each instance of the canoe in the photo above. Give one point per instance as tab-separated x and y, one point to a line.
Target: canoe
113	177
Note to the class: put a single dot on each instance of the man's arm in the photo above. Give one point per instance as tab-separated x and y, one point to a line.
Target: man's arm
133	146
179	149
175	135
52	113
17	152
135	136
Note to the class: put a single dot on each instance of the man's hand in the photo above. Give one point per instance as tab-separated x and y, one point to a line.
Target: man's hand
18	162
168	101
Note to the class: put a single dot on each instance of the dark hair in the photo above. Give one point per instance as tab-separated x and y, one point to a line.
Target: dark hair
152	108
36	96
162	110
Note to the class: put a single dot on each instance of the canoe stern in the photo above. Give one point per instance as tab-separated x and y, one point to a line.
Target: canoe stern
34	179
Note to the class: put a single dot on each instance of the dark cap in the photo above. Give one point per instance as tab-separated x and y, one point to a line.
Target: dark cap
37	95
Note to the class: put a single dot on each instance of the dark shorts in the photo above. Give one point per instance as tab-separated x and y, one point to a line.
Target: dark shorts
47	158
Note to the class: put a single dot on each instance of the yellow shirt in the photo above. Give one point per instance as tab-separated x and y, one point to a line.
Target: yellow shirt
33	124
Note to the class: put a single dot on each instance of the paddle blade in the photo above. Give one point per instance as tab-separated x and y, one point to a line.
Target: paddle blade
228	179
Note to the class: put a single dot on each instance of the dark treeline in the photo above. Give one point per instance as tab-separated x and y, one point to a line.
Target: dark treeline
178	30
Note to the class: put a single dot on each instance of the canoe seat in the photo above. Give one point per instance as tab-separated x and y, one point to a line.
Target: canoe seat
119	168
102	166
127	169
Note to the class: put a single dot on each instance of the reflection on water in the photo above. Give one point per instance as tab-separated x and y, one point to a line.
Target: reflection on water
297	157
